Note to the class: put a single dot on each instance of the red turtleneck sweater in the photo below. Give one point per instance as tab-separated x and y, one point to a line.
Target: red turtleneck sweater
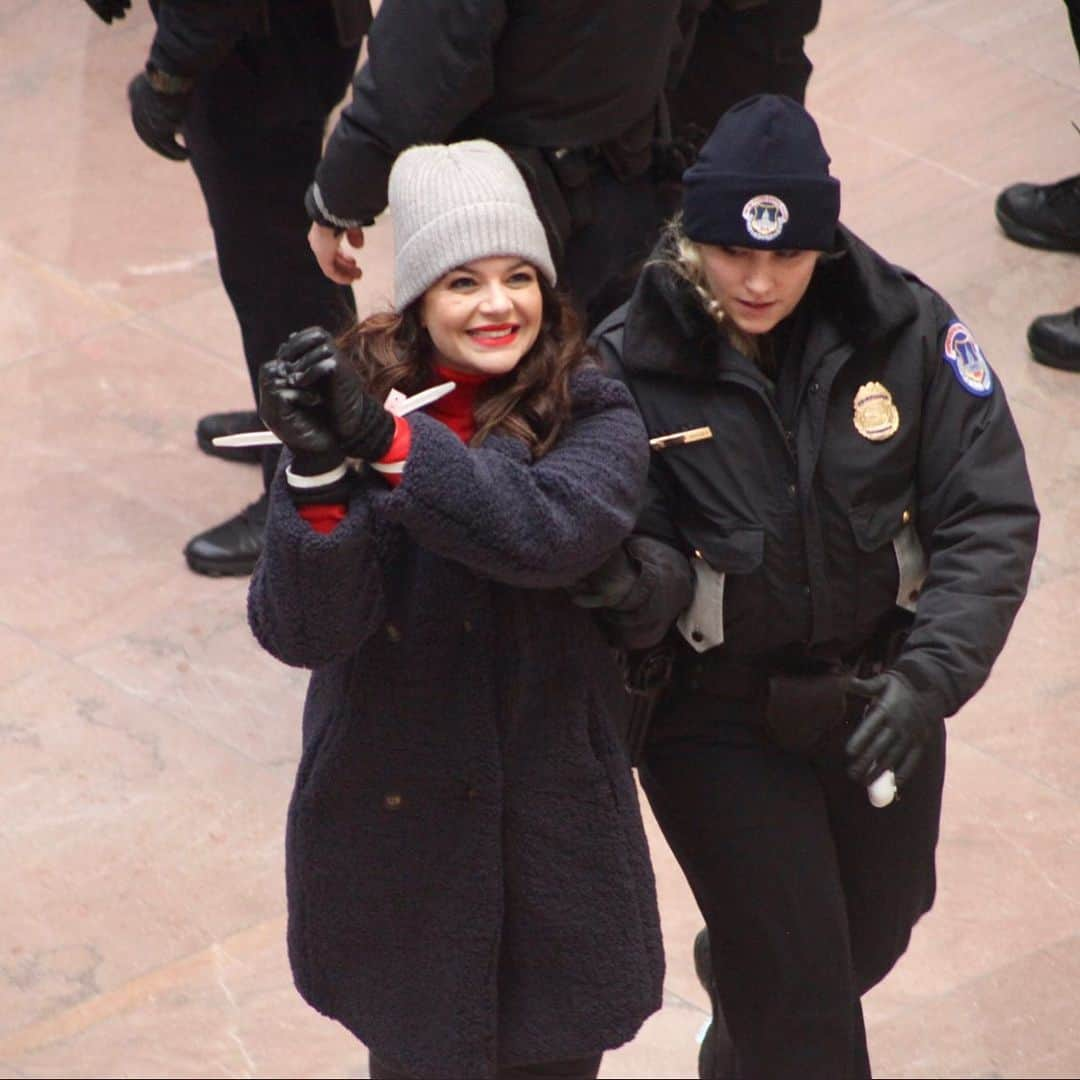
456	410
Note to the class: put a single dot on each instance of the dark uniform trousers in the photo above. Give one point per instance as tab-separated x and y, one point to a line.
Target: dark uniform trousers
1074	22
809	893
744	47
603	258
255	131
577	1069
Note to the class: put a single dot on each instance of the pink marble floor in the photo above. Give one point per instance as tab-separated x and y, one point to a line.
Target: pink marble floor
147	745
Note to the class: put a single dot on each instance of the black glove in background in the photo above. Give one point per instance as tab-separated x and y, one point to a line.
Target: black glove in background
158	117
363	427
893	730
107	10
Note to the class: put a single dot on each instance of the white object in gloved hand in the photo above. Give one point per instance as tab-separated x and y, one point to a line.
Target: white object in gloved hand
883	790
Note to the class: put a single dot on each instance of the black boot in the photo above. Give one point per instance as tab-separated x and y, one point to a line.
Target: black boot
1042	215
1055	340
716	1057
229	423
231	548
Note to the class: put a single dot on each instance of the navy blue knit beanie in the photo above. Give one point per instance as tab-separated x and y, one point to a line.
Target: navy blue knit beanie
762	180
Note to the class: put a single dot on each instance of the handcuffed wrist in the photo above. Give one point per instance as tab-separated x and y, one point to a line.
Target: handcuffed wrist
325	479
307	466
317	210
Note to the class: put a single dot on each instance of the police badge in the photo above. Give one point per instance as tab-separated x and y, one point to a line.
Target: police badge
876	417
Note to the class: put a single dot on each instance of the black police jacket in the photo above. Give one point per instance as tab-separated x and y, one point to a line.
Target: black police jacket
194	36
890	472
536	73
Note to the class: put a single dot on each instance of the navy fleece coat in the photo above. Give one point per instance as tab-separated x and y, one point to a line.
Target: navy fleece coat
467	872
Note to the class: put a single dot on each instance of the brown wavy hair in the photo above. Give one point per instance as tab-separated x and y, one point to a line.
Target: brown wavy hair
532	402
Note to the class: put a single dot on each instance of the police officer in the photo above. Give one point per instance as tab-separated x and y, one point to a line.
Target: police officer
249	85
571	90
838	484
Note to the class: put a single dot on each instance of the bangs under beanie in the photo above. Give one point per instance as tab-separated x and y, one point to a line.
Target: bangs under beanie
451	204
762	180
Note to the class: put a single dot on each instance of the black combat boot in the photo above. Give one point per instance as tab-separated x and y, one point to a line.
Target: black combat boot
231	548
1055	340
1042	215
229	423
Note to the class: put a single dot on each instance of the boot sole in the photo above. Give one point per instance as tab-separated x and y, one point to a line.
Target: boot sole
1053	360
1029	237
220	568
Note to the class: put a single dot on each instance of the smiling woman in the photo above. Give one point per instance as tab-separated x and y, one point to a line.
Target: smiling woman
485	316
465	853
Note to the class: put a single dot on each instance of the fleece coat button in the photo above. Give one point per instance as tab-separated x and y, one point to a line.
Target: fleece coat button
392	801
393	633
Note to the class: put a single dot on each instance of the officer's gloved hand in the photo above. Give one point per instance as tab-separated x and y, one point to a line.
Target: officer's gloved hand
159	103
107	10
609	585
298	416
894	727
364	428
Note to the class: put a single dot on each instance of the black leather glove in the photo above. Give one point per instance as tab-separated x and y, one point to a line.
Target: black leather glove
609	584
894	727
107	10
363	427
157	114
298	416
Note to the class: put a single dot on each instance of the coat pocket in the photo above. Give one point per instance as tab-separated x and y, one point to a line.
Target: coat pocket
898	572
716	554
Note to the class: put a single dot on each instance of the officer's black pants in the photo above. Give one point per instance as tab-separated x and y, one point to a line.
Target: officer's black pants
255	133
809	893
1074	22
578	1069
603	259
741	50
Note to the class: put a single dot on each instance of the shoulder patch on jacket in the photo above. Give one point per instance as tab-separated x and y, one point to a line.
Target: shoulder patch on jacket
962	353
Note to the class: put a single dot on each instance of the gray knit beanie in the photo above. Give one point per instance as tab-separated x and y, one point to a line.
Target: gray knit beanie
452	204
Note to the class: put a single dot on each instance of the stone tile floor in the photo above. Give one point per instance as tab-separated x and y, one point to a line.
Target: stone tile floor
148	745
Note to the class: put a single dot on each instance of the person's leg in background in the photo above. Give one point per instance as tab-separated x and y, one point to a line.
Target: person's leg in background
604	258
742	48
1047	216
578	1069
749	826
255	133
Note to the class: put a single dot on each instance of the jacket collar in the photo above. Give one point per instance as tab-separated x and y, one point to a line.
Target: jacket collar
863	298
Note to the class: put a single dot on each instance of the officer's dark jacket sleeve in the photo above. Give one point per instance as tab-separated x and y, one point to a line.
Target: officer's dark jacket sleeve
194	36
978	524
665	585
430	65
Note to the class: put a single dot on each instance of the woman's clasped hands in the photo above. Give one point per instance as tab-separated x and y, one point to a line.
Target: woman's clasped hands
312	398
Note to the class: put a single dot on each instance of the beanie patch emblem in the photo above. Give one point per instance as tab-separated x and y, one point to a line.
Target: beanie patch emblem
765	217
